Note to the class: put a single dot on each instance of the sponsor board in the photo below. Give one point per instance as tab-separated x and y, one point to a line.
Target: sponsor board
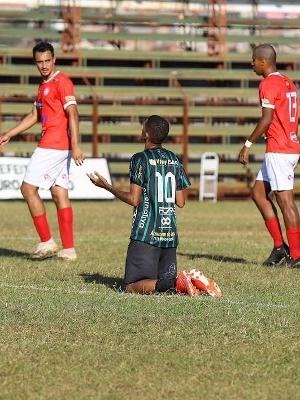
12	171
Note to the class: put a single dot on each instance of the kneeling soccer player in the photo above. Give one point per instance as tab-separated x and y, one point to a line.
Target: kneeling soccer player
157	183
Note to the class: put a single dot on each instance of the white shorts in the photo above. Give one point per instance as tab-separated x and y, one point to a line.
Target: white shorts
48	167
278	170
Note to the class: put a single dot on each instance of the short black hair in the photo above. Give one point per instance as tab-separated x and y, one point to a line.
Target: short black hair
157	128
265	52
41	47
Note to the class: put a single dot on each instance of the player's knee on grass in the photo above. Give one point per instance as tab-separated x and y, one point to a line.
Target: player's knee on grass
145	286
165	284
149	286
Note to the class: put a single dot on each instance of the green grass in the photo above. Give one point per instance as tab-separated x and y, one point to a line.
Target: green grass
67	332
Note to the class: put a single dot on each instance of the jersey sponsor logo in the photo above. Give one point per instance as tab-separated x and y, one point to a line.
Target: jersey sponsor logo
134	216
165	221
140	173
145	214
160	161
172	162
294	137
166	211
163	236
46	91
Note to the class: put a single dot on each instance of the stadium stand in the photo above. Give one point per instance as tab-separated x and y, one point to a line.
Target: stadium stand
144	64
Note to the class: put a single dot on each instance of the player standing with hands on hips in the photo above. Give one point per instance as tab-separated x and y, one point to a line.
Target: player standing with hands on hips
56	108
279	124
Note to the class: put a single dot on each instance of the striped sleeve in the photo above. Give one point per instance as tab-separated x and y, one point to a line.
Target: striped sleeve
182	180
137	170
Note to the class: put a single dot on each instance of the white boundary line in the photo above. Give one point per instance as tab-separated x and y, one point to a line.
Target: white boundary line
203	298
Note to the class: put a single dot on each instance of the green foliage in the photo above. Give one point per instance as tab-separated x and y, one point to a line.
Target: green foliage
68	332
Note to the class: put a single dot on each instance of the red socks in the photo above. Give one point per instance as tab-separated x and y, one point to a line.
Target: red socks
65	222
42	227
293	235
274	228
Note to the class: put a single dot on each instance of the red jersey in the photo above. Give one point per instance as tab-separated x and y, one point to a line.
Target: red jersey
52	100
278	92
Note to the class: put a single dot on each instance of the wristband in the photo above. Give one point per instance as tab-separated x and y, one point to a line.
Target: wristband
248	144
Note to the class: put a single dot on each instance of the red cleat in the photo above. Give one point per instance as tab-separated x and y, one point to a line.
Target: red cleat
206	285
184	285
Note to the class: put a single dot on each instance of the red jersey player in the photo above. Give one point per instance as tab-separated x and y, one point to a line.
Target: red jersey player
55	107
279	124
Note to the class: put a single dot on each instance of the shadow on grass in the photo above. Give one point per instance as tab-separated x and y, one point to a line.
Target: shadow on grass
13	253
116	283
214	257
109	281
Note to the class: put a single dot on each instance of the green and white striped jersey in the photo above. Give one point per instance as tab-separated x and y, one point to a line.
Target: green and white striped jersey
160	173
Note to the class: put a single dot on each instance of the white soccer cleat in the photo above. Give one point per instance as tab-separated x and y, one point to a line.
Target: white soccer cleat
67	254
206	285
45	250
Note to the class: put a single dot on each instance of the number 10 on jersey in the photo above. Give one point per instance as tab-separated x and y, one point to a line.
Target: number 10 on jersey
166	188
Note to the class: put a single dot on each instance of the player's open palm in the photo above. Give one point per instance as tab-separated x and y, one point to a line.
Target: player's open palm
4	139
98	180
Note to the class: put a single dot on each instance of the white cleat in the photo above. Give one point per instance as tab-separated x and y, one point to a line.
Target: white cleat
205	285
45	250
67	254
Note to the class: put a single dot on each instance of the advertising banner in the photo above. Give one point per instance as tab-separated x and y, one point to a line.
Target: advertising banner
12	171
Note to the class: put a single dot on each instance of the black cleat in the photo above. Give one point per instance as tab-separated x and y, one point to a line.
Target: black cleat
278	256
294	263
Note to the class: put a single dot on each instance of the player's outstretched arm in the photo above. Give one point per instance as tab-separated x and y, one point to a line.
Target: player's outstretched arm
77	154
26	123
132	197
260	129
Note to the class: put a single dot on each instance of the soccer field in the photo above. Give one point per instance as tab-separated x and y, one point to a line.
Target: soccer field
68	332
